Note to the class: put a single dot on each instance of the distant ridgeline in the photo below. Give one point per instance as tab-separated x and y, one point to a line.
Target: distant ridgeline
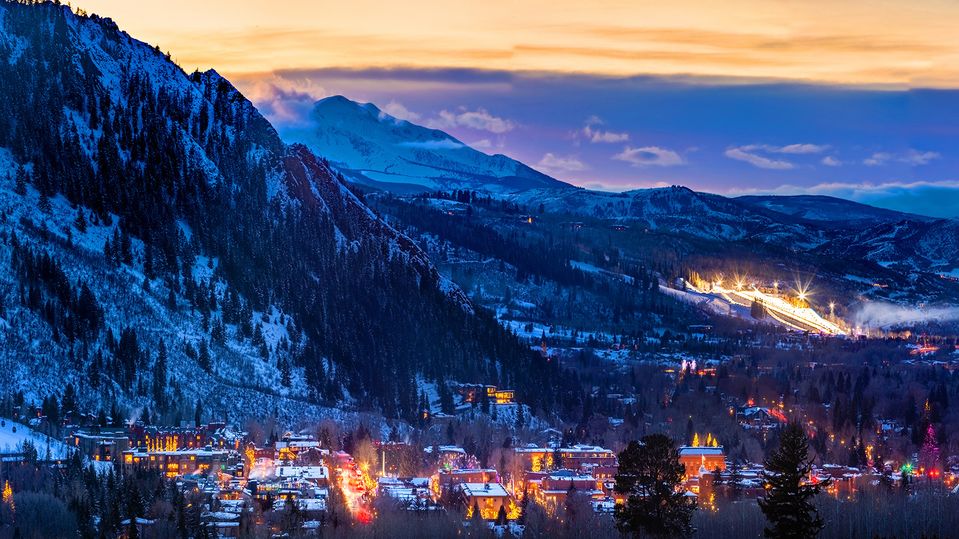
186	187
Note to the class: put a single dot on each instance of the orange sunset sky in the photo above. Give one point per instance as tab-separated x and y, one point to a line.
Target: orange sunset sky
876	42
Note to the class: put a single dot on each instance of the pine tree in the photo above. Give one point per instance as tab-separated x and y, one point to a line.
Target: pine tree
44	203
21	185
650	476
735	476
204	358
80	223
929	452
159	376
787	502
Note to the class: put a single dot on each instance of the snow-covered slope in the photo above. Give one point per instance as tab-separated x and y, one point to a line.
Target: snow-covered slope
371	147
921	245
13	435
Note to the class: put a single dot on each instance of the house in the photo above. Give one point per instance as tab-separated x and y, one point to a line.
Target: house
488	498
585	457
290	446
699	459
472	393
412	493
447	479
533	458
446	456
759	417
317	475
552	490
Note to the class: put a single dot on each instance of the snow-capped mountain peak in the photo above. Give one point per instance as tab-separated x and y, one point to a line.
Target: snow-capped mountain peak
371	147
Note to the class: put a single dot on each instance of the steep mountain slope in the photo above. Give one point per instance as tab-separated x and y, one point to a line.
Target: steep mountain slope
376	149
829	210
147	209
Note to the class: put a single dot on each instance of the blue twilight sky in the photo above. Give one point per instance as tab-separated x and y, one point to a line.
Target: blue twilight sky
888	147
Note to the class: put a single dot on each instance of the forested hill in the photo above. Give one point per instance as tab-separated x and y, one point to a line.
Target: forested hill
148	209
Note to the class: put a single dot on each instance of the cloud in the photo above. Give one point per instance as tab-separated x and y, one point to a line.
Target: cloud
877	159
749	155
831	161
478	119
884	315
483	144
935	199
557	163
397	110
752	154
796	148
284	102
598	135
910	157
916	158
445	144
649	156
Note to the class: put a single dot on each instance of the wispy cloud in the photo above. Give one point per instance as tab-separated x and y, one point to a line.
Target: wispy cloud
598	135
594	134
557	163
910	157
649	156
479	119
831	161
877	159
397	110
753	154
748	154
798	149
915	157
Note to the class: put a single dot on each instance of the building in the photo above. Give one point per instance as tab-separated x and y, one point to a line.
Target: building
100	443
185	461
552	490
317	475
290	446
585	457
534	459
410	493
697	459
488	498
154	438
759	417
472	393
446	480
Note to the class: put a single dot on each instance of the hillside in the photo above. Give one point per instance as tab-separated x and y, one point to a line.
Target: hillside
163	248
828	209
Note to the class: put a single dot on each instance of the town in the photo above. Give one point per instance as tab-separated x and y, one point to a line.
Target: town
306	482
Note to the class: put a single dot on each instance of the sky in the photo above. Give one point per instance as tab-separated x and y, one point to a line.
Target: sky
856	98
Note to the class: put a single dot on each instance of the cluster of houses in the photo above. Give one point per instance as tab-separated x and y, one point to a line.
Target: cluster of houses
295	473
